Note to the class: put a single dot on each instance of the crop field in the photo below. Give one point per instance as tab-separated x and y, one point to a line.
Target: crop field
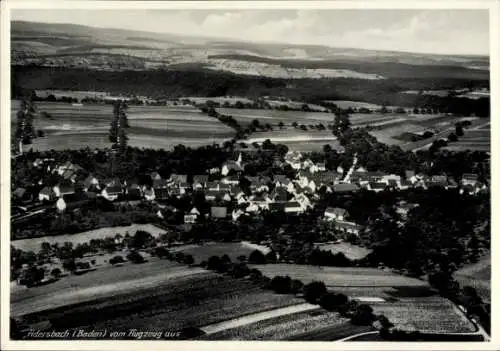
203	252
429	314
105	282
351	251
297	139
196	300
273	117
477	275
337	277
282	327
354	104
295	105
473	139
34	244
220	99
74	127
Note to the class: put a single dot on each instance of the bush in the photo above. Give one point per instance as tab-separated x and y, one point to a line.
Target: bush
255	274
116	259
179	257
296	286
363	315
161	252
188	259
239	270
56	273
213	263
257	257
313	291
135	257
69	265
332	301
281	285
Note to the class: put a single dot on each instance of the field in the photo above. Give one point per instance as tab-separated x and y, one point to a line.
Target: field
34	244
430	314
151	126
282	327
203	252
273	117
173	298
353	252
473	139
477	275
341	278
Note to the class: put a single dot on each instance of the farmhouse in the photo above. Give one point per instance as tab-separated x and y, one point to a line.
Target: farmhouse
336	213
293	207
111	193
469	179
178	179
348	227
345	188
218	212
47	194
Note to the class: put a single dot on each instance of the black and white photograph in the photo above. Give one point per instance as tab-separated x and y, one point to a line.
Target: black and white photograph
243	173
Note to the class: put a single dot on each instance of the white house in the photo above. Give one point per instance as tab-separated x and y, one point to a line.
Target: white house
47	194
236	214
149	194
293	207
336	213
252	207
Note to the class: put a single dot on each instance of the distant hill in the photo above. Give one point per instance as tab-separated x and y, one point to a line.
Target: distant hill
70	45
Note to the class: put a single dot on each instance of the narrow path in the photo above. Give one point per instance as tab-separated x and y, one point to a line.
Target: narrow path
257	317
358	335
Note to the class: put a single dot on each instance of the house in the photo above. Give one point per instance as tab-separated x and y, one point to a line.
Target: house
200	181
227	197
388	177
68	166
443	179
133	192
63	189
405	184
231	180
211	195
175	192
403	208
90	182
377	187
236	192
111	193
293	158
348	227
279	195
252	207
224	187
469	179
231	166
277	206
451	184
160	183
318	167
212	186
241	200
161	193
184	186
19	193
218	212
47	194
214	170
190	218
76	201
259	186
281	181
178	178
345	188
148	193
293	207
69	175
336	213
237	214
155	176
411	176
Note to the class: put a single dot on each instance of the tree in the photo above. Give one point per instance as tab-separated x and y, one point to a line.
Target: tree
281	124
452	137
188	259
363	315
332	301
296	286
459	130
313	291
116	260
213	263
242	258
281	285
135	257
56	273
256	257
32	276
140	239
70	265
327	148
25	131
295	124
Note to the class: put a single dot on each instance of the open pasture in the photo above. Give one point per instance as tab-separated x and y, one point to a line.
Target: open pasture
474	140
203	252
34	244
353	252
345	104
274	117
334	277
430	314
75	127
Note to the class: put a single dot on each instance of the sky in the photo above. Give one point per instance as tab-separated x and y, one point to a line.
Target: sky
426	31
